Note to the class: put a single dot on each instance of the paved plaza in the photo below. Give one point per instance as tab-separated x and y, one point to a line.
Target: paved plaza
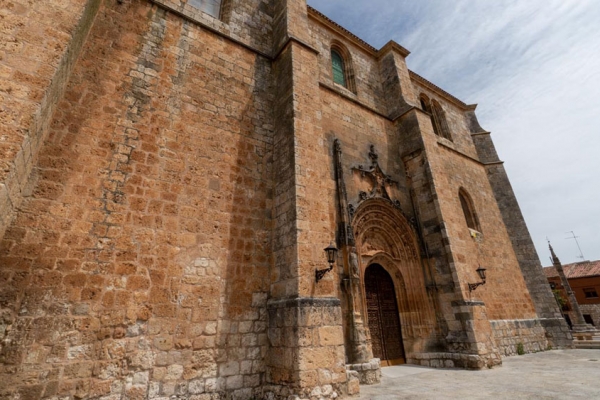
557	374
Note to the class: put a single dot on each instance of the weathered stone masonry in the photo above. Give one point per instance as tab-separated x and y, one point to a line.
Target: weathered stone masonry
168	185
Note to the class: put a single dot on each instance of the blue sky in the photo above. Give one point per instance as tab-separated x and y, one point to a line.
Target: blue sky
533	67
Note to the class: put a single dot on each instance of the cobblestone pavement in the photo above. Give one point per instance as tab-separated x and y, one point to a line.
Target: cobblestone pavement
557	374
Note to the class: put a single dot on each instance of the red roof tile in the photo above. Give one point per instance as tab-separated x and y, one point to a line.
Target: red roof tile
581	269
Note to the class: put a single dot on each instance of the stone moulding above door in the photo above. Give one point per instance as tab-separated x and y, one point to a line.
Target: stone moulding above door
380	185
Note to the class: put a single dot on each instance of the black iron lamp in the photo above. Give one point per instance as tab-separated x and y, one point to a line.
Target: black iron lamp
331	252
481	272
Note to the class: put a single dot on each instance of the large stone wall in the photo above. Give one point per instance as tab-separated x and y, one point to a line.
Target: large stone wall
529	262
39	43
169	221
139	264
454	166
247	22
514	336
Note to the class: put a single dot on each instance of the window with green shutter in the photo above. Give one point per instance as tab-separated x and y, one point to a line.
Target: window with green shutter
337	63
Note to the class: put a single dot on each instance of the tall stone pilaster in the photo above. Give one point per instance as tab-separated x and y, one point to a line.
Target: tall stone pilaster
305	326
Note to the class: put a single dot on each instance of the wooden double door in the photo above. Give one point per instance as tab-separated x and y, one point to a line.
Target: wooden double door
383	316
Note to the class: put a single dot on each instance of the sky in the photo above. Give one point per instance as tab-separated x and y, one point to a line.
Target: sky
533	68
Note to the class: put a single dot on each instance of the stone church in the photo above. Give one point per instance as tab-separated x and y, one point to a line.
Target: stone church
171	173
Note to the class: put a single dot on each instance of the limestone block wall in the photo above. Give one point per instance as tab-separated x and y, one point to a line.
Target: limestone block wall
39	43
248	22
454	166
529	263
306	335
139	264
455	117
358	129
511	334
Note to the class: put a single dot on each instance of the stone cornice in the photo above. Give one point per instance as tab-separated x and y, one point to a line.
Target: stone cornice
433	87
353	99
481	133
450	147
323	19
393	46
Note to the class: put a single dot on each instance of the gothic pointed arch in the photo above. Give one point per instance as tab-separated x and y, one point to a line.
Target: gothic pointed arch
384	236
439	116
341	66
468	209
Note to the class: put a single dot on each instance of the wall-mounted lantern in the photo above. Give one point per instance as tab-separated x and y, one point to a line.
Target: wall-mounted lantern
481	272
331	252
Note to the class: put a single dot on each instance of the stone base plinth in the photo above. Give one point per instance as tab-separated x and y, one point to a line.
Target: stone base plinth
557	332
368	373
353	382
454	360
584	332
520	336
306	354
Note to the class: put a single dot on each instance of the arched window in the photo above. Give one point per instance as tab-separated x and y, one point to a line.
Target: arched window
437	115
468	210
426	106
211	7
339	68
440	117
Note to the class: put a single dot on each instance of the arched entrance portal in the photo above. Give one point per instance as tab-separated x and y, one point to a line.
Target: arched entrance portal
395	304
383	316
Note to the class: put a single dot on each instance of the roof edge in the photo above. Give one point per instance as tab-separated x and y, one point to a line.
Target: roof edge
391	45
442	92
319	16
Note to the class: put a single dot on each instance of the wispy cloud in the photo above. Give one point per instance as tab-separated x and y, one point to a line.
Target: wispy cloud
533	67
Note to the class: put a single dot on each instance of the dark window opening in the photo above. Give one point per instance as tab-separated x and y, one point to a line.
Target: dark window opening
568	319
437	115
590	293
440	119
468	211
424	105
588	319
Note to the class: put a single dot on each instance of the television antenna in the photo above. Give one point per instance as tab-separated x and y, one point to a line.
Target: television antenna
575	237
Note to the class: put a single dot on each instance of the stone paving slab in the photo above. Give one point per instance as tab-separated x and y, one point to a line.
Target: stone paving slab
557	374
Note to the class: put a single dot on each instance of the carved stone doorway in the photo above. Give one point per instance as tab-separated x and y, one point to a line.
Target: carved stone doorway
383	316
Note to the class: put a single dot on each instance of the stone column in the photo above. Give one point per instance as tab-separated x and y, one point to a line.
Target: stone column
581	329
359	351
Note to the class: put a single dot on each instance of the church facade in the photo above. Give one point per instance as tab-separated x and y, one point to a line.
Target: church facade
172	172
